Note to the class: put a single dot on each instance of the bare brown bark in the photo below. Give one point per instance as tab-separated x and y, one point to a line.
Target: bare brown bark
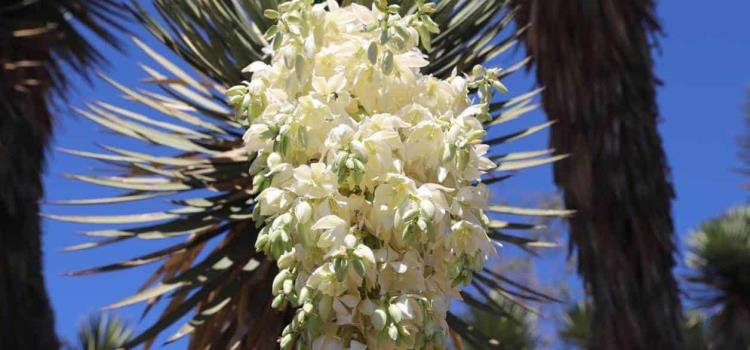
594	59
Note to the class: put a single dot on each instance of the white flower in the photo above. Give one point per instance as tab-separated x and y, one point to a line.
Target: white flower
324	280
274	200
255	138
368	171
334	231
470	239
314	181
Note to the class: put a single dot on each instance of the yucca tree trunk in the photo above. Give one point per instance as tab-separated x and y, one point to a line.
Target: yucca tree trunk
35	38
594	59
26	319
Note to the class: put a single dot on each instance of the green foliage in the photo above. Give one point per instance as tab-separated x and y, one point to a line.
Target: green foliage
577	326
695	332
102	332
720	262
513	330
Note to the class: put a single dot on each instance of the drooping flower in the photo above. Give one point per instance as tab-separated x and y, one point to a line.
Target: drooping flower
368	176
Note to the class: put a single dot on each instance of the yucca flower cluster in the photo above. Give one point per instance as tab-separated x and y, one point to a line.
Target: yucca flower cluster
367	174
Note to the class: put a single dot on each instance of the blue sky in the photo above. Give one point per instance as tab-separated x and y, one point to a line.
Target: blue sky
704	62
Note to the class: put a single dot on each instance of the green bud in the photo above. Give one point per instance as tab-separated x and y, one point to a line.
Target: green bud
429	7
257	218
277	301
425	38
288	286
324	307
477	71
340	266
304	295
301	315
258	181
499	86
261	242
359	266
278	281
393	332
307	307
286	341
384	37
430	24
235	100
277	39
293	19
379	319
395	313
272	30
402	32
372	53
388	62
287	330
274	236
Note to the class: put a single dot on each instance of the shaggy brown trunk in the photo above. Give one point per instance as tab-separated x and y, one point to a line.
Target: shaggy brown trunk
594	60
26	319
35	38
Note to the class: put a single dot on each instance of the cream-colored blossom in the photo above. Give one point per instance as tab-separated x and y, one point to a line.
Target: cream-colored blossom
366	172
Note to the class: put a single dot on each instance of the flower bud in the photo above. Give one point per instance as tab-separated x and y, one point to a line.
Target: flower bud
379	319
277	301
324	306
286	341
279	280
395	313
